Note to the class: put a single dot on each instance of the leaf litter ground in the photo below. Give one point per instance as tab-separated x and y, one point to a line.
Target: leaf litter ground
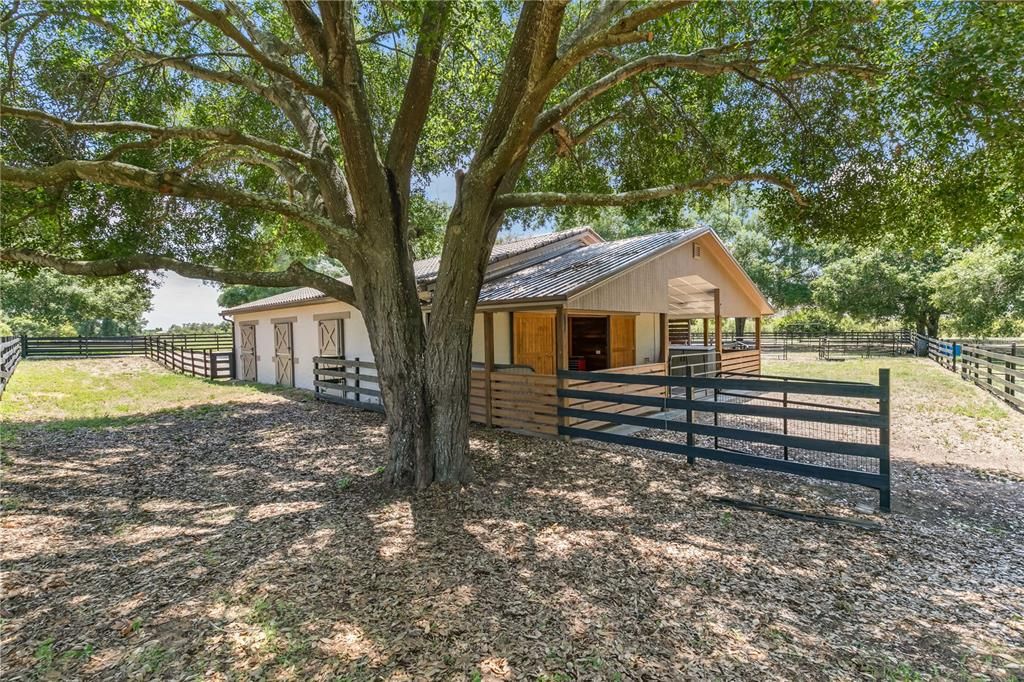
249	537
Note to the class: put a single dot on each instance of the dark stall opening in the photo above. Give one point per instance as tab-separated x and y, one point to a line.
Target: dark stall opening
588	343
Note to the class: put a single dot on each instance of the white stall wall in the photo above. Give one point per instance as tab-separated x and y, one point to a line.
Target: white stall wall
502	338
305	341
647	332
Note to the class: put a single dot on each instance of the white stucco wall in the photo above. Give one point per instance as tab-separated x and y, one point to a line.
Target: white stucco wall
647	333
502	338
305	342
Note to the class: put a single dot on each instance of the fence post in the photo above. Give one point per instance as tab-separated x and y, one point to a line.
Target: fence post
24	345
714	399
690	459
785	420
357	379
954	357
884	494
1011	366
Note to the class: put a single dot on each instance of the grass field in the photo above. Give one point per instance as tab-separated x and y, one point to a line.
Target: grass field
937	417
163	527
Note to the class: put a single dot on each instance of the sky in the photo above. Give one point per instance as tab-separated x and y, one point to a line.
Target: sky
179	300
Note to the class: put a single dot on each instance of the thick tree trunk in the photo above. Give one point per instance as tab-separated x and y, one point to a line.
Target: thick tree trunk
390	307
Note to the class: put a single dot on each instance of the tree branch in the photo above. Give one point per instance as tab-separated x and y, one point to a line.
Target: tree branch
296	274
212	134
167	183
419	88
220	21
701	61
551	199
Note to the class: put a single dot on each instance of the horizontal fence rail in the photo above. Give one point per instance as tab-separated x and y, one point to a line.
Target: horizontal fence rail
864	344
197	362
10	356
995	365
1001	374
100	346
347	381
830	430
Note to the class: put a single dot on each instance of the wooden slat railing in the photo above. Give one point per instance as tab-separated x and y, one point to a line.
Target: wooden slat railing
1001	374
10	356
103	346
206	363
347	381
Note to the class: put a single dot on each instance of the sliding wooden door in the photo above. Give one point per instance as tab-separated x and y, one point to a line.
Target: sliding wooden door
534	340
623	340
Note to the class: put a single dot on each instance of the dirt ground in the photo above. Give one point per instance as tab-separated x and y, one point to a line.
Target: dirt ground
251	537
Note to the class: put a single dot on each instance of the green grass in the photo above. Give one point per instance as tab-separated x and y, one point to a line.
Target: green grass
105	392
916	382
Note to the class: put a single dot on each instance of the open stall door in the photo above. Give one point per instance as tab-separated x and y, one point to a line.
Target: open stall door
534	340
284	361
247	351
623	340
331	340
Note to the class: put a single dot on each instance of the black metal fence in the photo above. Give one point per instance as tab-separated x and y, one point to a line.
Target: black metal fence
830	430
10	356
865	344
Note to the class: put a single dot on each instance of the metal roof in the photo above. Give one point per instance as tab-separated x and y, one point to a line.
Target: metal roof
425	271
580	268
300	296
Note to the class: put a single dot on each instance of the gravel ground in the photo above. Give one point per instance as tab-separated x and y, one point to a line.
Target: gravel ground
253	539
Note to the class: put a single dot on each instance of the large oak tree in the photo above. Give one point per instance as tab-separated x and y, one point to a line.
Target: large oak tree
208	137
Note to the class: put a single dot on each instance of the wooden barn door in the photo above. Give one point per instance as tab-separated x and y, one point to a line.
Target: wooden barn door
623	340
284	361
247	351
534	340
332	343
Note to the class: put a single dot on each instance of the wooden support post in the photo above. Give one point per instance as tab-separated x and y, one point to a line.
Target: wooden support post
705	331
488	365
561	356
718	330
663	351
757	332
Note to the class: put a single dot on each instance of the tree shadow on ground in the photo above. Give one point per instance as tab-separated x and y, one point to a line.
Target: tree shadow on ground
257	539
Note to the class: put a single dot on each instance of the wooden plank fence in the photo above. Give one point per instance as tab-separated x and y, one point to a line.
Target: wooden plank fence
10	356
101	346
347	381
995	365
206	363
1001	374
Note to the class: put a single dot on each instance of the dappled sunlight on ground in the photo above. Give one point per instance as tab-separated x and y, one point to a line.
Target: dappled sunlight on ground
255	539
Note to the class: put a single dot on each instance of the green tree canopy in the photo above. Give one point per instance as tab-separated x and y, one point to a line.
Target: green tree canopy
46	303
